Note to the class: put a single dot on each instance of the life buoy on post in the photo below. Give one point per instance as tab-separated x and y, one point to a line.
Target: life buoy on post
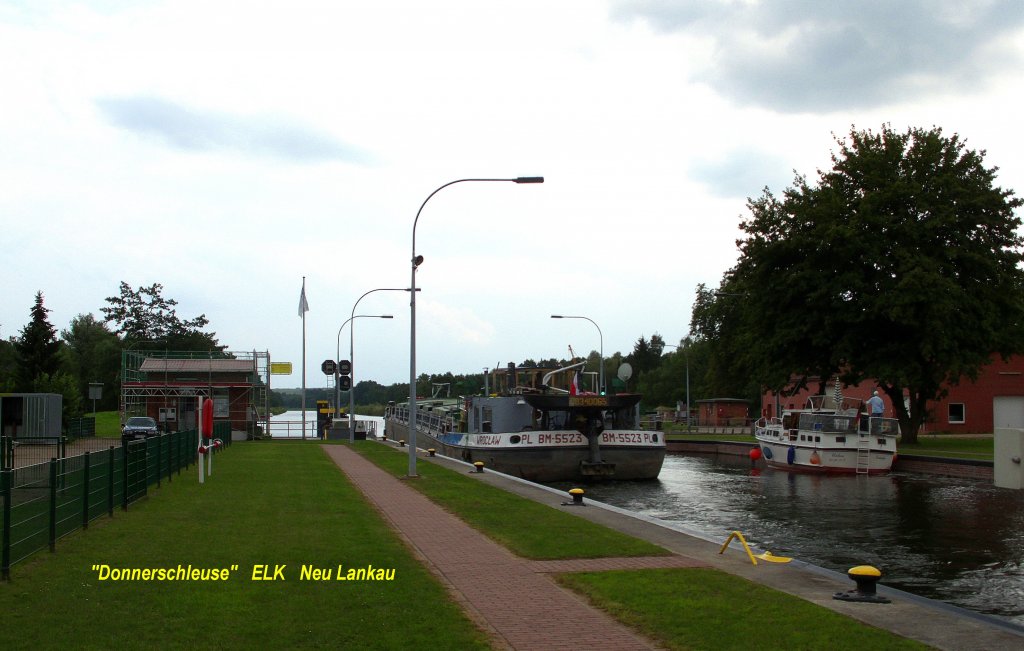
207	426
791	455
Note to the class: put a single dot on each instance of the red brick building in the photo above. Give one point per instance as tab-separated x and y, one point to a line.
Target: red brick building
995	399
167	387
723	412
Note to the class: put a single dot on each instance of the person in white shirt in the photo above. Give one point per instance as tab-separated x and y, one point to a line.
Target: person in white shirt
876	407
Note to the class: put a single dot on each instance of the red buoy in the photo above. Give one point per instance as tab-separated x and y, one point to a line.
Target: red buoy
755	454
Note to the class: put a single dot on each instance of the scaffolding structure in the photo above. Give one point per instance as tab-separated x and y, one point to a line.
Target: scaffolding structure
239	380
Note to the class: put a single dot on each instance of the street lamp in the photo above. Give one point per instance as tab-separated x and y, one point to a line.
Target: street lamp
351	356
601	389
416	262
337	354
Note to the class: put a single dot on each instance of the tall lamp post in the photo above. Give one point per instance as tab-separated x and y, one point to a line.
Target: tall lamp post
601	389
686	353
351	357
337	354
416	262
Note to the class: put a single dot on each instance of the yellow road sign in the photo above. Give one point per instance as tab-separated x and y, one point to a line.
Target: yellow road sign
280	368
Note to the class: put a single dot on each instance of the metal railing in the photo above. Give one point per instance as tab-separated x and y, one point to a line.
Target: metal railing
293	429
426	421
44	502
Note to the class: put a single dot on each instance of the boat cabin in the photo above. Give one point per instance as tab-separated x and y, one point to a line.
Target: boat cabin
826	415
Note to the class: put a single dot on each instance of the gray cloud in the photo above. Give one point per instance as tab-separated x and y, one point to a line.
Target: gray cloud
809	55
193	130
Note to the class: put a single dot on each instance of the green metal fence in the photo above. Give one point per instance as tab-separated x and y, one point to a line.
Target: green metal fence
44	502
79	427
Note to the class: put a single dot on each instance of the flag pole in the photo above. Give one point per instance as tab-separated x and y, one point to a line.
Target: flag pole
303	308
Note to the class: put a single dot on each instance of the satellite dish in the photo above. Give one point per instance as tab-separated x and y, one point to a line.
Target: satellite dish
625	371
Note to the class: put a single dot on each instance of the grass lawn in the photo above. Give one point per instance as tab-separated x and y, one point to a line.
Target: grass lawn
108	424
704	608
978	447
529	529
681	608
266	504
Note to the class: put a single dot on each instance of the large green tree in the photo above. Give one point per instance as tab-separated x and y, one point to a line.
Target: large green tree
93	354
37	347
64	384
8	365
645	357
144	318
902	263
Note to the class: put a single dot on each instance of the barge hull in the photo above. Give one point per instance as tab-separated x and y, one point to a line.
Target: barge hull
548	463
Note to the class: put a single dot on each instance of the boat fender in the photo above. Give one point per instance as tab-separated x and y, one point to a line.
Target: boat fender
815	458
791	455
767	452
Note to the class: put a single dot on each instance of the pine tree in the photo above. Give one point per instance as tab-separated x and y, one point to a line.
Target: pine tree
37	347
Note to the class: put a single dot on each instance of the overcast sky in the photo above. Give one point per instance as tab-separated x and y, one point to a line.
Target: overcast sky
227	149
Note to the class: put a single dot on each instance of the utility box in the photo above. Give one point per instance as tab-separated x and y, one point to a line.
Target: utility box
338	431
31	415
1008	469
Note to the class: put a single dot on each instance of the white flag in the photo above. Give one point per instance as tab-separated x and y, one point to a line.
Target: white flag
303	305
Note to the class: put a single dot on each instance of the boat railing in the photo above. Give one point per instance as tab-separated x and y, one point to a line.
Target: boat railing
765	421
433	422
884	426
427	421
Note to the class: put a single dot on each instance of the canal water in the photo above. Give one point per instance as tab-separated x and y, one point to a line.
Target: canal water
960	541
289	424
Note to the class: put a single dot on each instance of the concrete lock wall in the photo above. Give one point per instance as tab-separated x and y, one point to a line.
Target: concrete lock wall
1008	469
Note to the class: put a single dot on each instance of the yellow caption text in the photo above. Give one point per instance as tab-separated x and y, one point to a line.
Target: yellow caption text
260	572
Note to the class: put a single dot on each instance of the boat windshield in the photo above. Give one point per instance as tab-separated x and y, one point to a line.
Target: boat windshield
845	405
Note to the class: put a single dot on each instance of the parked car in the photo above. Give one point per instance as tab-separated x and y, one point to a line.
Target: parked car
139	427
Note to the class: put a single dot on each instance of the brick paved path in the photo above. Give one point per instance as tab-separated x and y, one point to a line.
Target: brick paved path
514	599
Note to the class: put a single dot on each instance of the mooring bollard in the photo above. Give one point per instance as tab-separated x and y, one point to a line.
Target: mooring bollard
479	465
865	577
401	443
430	451
577	497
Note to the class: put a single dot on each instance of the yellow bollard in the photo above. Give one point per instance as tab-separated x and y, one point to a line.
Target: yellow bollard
865	577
